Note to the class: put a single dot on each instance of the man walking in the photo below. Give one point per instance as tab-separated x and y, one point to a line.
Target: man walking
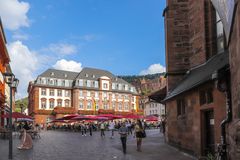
102	128
123	131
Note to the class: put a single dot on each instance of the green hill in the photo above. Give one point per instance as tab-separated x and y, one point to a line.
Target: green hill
23	101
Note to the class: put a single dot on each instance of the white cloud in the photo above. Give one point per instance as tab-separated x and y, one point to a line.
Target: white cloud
68	65
24	63
62	48
152	69
89	37
20	36
14	14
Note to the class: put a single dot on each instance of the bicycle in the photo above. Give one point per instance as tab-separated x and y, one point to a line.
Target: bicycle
220	154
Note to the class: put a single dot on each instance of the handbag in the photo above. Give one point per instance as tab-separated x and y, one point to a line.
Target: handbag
144	134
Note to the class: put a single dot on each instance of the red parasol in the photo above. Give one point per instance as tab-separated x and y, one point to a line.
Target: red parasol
16	115
68	117
111	116
151	118
133	116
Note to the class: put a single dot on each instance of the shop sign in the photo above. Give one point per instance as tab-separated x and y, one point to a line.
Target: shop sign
225	9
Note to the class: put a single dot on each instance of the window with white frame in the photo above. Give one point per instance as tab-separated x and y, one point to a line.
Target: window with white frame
51	92
119	86
59	93
80	105
67	93
59	103
88	93
126	87
51	104
89	105
43	104
67	103
105	86
43	92
113	96
120	106
81	93
96	84
96	94
104	94
113	86
126	106
51	82
105	106
63	82
80	82
88	83
113	105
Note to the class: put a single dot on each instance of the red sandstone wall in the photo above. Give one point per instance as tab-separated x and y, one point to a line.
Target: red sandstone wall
234	50
186	132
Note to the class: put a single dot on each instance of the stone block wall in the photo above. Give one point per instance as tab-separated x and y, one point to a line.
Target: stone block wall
234	52
186	132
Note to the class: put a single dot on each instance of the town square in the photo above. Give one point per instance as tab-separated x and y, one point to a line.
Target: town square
120	80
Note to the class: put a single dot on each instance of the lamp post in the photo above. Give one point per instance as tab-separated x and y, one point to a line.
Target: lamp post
12	83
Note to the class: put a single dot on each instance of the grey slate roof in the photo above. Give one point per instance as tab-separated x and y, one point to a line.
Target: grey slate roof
59	74
97	74
200	74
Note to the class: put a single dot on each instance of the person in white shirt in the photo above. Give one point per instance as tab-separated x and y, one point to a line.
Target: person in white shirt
112	128
102	128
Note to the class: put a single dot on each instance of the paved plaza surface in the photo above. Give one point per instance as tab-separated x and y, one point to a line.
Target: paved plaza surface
63	145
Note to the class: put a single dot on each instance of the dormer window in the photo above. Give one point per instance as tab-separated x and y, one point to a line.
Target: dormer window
86	75
52	74
65	75
93	76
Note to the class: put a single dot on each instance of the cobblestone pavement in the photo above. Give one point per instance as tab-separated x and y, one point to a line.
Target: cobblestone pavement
61	145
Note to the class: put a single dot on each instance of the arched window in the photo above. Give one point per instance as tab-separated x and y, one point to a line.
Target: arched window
89	105
51	103
80	104
43	103
67	103
59	103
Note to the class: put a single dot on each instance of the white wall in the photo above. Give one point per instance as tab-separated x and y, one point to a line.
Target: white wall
55	97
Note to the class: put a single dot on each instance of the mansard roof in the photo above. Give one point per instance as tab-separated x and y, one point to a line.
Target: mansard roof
59	74
95	74
85	73
200	74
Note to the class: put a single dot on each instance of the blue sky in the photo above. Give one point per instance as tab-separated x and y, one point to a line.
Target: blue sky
125	37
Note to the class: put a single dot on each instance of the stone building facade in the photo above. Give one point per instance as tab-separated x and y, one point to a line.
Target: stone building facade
4	62
233	129
196	58
92	91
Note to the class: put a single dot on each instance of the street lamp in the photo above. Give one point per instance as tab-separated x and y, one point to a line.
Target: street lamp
12	82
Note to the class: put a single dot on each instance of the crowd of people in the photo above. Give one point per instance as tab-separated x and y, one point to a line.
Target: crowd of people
136	128
124	128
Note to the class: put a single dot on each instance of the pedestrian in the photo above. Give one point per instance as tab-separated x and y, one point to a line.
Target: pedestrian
90	128
123	131
102	128
84	130
129	126
139	133
26	140
111	128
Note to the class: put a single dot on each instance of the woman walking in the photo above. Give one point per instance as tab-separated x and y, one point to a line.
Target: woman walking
139	132
26	141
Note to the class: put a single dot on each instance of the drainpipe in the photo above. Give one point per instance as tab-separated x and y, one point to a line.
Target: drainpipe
225	86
